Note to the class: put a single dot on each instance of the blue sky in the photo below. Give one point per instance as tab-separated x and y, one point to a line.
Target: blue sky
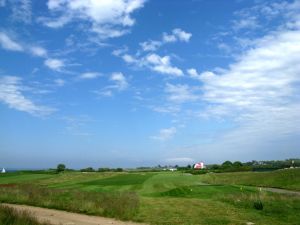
126	83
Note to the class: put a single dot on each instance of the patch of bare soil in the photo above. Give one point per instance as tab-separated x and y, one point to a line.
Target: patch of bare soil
57	217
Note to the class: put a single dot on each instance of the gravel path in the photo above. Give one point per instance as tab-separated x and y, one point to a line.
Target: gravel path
57	217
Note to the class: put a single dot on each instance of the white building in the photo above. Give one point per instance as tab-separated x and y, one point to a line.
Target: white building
3	170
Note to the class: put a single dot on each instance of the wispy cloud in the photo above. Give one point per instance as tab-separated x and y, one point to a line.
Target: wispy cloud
180	93
165	134
89	75
11	93
108	19
21	11
120	83
8	43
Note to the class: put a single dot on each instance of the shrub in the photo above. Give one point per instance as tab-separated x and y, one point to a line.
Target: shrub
258	205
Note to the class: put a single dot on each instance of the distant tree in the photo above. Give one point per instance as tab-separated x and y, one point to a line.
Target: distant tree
88	169
103	169
189	166
226	164
119	170
237	164
60	168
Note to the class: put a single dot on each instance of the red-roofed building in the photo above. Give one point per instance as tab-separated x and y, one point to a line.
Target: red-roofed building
199	166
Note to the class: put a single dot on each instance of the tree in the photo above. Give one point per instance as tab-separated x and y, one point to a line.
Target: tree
237	164
60	168
226	164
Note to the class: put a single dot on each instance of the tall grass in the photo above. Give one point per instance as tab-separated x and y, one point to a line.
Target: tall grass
121	205
10	216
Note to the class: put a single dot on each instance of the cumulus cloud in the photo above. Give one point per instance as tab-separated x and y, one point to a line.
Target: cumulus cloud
8	43
54	64
11	94
108	19
160	64
165	134
176	35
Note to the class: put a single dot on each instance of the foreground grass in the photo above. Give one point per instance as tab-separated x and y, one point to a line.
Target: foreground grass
155	198
121	205
9	216
288	178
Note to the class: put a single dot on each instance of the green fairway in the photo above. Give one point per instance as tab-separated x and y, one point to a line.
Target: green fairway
160	197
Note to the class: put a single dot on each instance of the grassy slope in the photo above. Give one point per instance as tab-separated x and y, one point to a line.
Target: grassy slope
175	198
288	179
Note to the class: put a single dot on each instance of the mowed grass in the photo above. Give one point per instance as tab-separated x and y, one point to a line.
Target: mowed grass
287	179
158	197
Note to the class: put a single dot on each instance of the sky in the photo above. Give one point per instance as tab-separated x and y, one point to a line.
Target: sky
128	83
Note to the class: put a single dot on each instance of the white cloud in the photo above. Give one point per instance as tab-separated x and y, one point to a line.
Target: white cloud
109	18
177	35
165	134
260	92
11	94
7	43
180	93
38	51
120	81
54	64
246	23
161	65
89	75
150	45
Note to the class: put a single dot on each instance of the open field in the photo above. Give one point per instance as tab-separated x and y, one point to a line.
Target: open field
160	197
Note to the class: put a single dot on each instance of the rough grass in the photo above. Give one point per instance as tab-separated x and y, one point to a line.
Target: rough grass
10	216
158	198
288	178
121	205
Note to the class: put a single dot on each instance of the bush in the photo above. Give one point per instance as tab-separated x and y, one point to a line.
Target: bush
258	205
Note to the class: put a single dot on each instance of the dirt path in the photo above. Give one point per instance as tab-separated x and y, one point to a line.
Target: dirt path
57	217
281	191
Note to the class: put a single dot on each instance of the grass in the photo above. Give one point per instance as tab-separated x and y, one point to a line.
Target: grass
10	216
161	197
287	179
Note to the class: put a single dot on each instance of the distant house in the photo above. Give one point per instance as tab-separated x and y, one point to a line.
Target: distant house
3	171
199	166
172	169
